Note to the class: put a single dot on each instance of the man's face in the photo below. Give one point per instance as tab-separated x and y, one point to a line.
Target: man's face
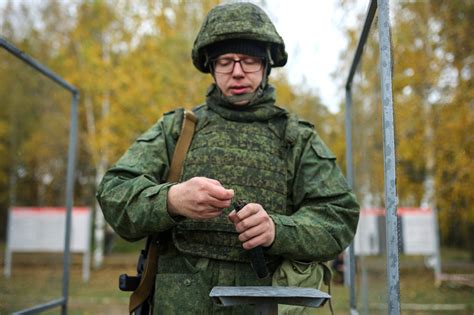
237	74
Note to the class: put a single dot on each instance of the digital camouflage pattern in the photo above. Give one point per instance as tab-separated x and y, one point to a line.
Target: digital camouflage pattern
250	157
238	21
318	221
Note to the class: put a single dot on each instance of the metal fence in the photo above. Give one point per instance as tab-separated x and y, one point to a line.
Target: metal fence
60	302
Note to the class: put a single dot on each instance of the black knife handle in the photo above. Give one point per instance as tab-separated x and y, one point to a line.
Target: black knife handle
257	259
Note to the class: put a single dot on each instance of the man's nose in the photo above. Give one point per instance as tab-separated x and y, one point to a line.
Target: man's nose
237	71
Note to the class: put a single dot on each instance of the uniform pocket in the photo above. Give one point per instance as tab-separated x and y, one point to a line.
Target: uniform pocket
149	135
323	151
182	288
298	274
181	294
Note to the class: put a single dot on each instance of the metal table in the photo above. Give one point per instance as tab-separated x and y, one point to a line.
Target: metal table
267	298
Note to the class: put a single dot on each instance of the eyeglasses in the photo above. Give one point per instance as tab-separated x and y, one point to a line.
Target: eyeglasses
248	64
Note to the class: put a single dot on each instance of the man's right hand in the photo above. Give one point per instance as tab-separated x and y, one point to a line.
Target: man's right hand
198	198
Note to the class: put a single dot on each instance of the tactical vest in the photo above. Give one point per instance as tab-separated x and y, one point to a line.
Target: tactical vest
248	157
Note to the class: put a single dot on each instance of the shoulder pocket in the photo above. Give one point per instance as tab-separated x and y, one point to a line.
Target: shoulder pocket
149	135
322	151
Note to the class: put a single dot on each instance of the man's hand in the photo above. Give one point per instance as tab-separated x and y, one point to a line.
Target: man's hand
254	226
199	198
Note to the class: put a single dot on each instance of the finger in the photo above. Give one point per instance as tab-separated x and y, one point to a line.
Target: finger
250	244
204	199
249	210
247	224
254	242
218	187
206	207
212	181
217	203
250	233
233	217
209	214
219	192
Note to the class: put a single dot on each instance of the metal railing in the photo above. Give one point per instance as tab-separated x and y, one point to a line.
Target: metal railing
390	188
69	175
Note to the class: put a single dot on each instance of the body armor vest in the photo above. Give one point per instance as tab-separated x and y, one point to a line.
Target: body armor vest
248	157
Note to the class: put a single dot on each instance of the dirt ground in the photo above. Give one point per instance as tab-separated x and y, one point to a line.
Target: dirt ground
37	278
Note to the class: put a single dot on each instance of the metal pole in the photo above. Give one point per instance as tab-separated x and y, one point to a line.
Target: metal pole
7	270
349	168
69	198
437	254
390	184
362	40
350	180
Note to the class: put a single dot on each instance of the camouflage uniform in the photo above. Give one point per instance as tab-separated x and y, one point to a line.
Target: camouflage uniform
267	156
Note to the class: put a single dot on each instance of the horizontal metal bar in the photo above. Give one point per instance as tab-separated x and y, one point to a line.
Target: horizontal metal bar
42	307
362	40
35	64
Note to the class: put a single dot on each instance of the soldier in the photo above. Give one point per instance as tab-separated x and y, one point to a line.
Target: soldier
244	147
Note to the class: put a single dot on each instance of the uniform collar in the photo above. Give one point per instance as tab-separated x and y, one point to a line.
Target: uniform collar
261	107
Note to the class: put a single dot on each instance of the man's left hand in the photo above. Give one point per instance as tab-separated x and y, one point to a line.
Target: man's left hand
254	225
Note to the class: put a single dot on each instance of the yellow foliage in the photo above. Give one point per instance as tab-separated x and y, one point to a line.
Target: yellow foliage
434	114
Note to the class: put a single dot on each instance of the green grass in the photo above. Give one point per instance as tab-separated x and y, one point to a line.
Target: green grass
39	281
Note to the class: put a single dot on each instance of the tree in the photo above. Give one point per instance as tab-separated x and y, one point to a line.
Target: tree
432	87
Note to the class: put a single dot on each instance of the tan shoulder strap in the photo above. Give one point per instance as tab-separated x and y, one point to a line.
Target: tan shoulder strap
182	146
147	281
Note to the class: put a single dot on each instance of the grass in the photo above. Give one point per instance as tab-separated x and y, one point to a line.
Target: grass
37	279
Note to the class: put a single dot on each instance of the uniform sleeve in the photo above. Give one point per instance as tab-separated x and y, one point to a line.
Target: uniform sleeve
326	212
133	193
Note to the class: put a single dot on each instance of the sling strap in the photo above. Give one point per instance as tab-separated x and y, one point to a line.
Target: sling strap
147	281
182	146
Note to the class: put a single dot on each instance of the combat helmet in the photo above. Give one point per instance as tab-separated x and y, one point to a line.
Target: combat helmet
238	21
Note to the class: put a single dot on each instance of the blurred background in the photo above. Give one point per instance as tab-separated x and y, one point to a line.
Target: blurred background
131	63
